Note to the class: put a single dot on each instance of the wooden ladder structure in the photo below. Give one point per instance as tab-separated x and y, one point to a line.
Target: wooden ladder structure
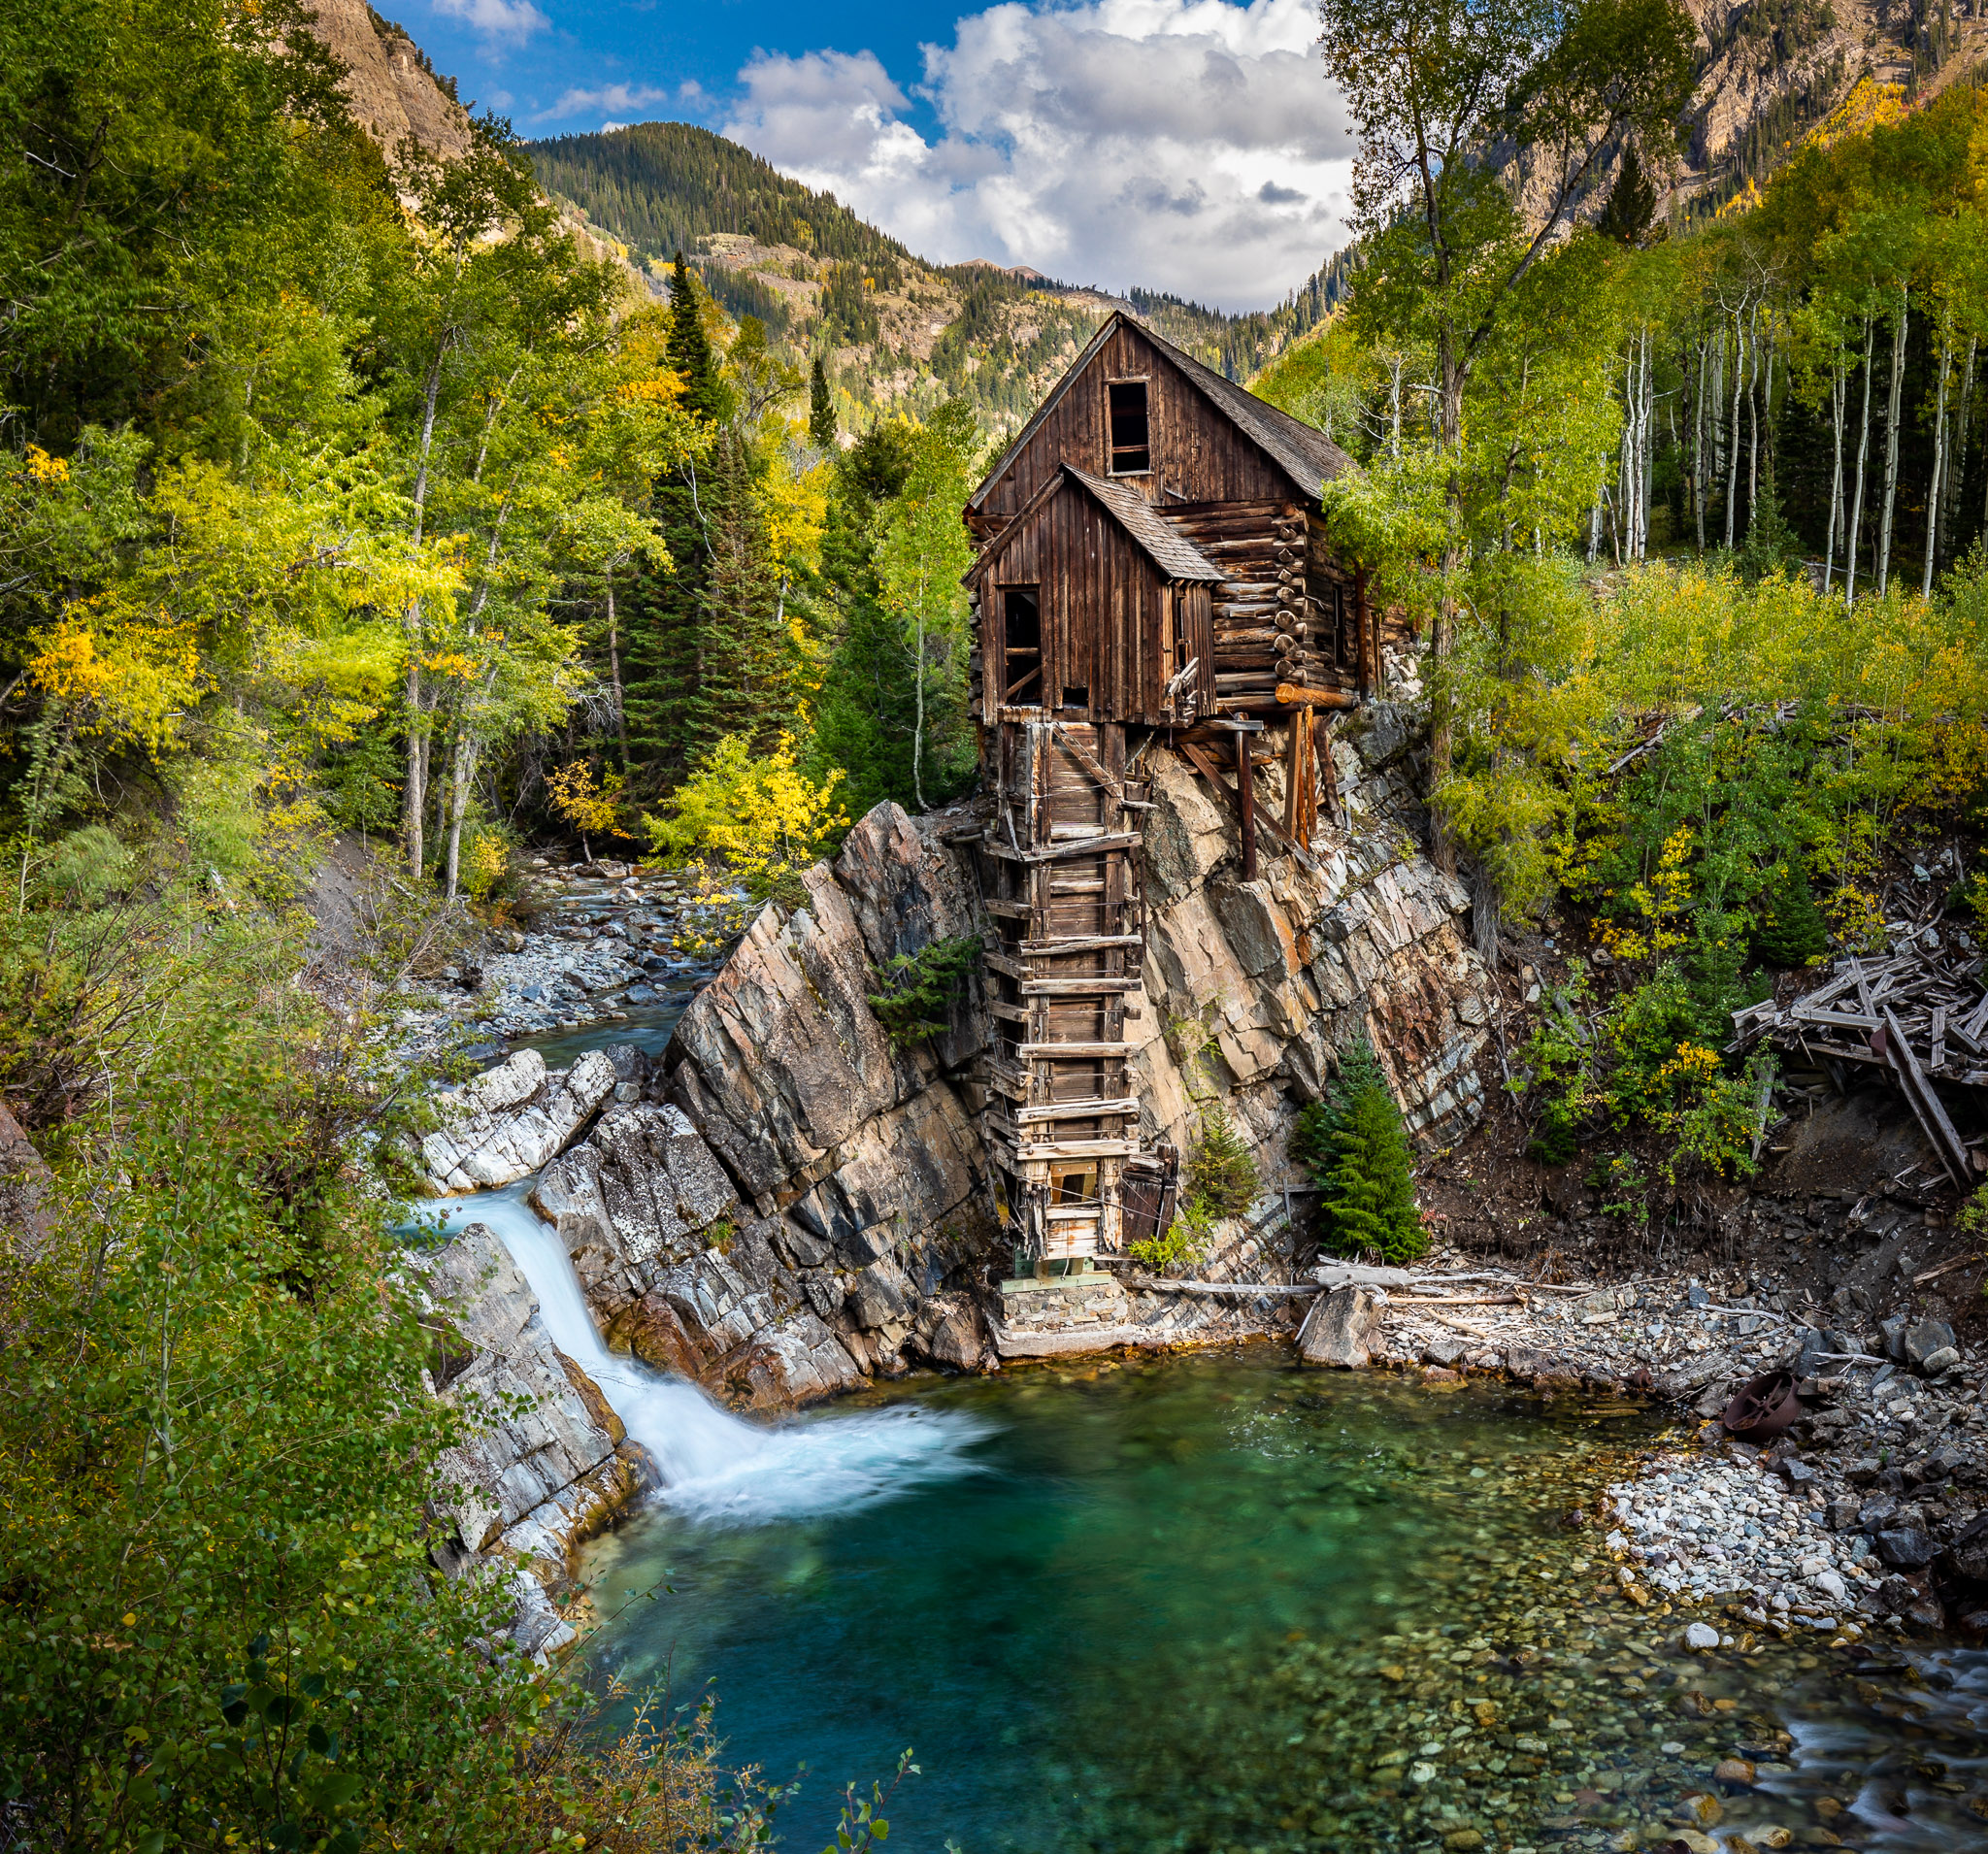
1060	884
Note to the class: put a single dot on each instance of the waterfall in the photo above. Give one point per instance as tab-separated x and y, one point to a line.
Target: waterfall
716	1467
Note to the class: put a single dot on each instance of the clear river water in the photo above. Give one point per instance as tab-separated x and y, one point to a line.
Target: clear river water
1222	1603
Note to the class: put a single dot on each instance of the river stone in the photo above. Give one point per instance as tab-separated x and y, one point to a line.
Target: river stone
511	1119
1701	1636
1340	1329
1905	1547
949	1333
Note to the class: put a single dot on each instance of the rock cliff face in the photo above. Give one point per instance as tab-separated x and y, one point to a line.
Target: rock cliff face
788	1201
549	1462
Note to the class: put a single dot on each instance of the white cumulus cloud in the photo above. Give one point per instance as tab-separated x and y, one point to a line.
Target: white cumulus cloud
496	18
1192	146
627	98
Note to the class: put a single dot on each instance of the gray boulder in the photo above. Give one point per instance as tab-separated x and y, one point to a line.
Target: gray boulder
1340	1329
547	1462
511	1119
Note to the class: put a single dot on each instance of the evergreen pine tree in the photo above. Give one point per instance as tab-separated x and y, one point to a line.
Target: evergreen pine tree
821	427
669	679
1632	203
1793	932
1369	1206
1319	1121
689	349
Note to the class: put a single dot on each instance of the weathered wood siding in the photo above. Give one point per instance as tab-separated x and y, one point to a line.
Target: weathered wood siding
1108	615
1197	455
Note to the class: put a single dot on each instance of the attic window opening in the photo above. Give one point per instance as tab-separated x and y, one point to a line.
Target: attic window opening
1131	429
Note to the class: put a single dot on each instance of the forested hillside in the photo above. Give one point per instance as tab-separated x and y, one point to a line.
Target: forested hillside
893	330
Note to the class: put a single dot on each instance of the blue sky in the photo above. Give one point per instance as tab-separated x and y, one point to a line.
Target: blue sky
1187	144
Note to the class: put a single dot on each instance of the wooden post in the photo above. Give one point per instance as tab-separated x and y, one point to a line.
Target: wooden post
1294	769
1246	790
1321	745
1365	669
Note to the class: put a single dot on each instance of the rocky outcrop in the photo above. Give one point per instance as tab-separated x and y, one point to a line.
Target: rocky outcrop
547	1462
511	1119
25	1183
1341	1330
1256	985
678	1273
392	91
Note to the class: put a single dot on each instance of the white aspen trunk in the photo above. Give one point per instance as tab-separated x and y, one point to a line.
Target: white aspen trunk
1891	440
1753	421
1698	445
1836	487
1733	432
1957	454
1936	488
1863	452
1595	521
1650	448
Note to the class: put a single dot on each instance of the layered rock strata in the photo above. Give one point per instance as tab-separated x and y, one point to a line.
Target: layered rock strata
547	1462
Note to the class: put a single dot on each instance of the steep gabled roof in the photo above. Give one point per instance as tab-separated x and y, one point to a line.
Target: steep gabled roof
1168	548
1176	556
1308	458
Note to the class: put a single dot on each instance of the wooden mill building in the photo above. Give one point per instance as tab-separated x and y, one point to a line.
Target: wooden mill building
1153	576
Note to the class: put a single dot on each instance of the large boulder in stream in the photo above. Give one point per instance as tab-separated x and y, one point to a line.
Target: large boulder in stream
504	1125
676	1271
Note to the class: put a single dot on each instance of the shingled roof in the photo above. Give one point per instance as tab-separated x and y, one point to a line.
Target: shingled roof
1308	458
1167	548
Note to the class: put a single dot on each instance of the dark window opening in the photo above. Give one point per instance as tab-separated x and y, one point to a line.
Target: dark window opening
1131	430
1076	698
1021	615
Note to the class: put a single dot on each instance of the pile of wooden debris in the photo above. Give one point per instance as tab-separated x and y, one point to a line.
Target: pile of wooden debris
1918	1013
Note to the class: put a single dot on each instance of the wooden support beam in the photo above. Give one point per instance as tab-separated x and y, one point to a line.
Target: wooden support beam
1246	791
1076	1051
1077	987
1076	1109
1086	944
1926	1103
1296	694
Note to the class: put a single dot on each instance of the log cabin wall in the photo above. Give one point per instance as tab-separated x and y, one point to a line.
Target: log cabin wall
1195	453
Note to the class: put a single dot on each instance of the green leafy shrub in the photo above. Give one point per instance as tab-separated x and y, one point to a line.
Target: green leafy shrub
921	988
1717	1127
1184	1242
1554	1064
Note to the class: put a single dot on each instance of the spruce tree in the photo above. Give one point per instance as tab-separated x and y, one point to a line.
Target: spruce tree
1319	1121
1632	204
690	349
821	427
1793	932
669	673
1369	1206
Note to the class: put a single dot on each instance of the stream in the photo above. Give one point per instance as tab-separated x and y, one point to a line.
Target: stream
1220	1602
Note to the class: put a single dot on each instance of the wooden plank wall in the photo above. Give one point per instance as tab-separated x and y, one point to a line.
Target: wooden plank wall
1105	606
1060	973
1198	454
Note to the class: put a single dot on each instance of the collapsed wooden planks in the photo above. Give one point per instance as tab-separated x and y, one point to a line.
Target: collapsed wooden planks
1915	1013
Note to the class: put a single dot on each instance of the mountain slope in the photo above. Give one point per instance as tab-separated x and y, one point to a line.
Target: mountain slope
895	329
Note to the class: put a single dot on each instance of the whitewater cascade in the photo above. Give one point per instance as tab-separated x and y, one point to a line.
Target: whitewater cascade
716	1467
